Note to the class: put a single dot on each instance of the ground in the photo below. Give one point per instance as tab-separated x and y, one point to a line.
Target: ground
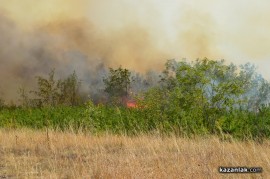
41	154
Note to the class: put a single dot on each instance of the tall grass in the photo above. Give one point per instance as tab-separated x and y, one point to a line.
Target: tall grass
121	120
26	154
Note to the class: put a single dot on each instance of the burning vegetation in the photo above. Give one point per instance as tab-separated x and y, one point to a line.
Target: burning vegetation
188	98
213	84
199	97
60	70
131	104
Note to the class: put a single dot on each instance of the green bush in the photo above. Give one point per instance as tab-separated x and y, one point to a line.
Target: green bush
199	98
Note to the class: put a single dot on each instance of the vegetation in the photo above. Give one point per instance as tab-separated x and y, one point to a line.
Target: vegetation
35	154
52	92
117	85
193	98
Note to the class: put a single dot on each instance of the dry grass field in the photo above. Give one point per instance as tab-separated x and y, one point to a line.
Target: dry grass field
33	154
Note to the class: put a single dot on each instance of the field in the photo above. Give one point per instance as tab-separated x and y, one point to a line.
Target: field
26	153
198	117
134	89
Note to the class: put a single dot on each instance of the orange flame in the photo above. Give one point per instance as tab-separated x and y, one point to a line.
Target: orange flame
131	104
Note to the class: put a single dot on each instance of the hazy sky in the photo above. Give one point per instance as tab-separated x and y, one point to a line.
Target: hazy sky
139	34
234	30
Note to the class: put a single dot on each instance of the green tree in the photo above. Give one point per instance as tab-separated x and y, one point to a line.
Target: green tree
69	90
52	92
48	92
117	84
208	87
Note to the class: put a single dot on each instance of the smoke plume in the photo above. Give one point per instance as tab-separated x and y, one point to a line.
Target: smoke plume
89	36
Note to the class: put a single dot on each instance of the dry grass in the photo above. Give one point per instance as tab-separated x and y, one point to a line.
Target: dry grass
29	154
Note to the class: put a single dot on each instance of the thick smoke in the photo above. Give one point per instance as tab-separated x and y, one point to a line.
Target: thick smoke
89	36
67	46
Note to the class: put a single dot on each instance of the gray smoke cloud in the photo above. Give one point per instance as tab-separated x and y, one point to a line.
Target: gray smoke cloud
89	36
65	46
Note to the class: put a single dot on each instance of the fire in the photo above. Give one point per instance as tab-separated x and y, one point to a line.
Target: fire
131	104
